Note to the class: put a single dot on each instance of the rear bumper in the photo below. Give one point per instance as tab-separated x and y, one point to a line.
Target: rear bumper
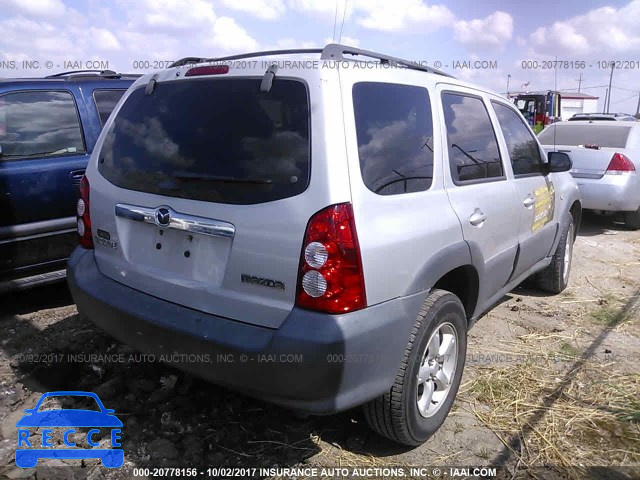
615	193
314	362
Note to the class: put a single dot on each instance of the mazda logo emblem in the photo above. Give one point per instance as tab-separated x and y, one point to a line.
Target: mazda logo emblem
163	216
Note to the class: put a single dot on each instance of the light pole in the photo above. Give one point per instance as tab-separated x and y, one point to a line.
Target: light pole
613	64
508	78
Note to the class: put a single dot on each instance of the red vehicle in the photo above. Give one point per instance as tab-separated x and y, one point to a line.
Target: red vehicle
539	109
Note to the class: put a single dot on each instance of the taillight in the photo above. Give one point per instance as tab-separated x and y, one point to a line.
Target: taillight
83	217
330	278
207	70
620	163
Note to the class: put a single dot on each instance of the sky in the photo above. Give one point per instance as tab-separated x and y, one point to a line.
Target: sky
127	34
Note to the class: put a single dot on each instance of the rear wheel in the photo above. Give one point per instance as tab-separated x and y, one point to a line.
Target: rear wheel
555	277
429	376
632	219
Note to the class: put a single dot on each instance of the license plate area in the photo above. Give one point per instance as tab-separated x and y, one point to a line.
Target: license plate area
177	255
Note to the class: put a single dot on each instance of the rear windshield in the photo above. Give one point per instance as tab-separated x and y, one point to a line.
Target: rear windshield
613	136
217	140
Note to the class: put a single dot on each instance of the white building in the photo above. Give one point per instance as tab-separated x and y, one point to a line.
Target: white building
573	103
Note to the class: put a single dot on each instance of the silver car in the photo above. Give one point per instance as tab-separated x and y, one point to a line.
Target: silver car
604	156
317	231
612	117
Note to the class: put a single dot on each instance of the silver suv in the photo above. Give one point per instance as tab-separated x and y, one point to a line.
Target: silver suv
317	228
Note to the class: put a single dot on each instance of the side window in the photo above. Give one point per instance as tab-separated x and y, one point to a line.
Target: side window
39	123
522	146
471	141
395	137
105	102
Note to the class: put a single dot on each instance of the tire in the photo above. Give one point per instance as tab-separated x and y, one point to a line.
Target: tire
632	219
555	278
397	414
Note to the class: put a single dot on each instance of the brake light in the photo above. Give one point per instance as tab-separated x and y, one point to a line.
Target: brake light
620	163
207	70
83	217
330	278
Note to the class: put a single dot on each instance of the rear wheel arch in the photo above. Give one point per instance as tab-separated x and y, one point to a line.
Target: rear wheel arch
464	283
454	268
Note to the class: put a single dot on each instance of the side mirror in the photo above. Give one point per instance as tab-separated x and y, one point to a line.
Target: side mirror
558	162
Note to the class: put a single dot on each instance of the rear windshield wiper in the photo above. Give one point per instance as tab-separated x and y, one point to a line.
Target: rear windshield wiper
220	178
42	154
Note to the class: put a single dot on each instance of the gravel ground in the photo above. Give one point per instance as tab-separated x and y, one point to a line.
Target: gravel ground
526	401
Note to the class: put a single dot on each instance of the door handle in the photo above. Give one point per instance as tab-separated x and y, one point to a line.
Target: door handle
477	218
529	201
76	176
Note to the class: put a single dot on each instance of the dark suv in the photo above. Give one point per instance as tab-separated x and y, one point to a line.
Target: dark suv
48	128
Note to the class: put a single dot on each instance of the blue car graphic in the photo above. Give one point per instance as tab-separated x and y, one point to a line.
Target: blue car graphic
69	418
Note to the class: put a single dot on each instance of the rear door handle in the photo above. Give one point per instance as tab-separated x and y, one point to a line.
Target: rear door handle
529	201
477	218
76	176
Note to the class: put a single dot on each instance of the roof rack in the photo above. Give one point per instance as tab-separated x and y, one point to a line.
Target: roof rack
92	73
187	61
72	72
333	51
336	51
265	53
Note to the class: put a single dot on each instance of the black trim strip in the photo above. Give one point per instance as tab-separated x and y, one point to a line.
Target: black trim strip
34	228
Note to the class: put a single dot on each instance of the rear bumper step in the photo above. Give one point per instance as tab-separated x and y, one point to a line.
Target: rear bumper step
314	362
32	281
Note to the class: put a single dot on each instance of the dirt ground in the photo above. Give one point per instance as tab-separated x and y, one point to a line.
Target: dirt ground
551	388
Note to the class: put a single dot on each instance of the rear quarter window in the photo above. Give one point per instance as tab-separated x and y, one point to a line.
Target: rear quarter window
106	101
395	137
217	140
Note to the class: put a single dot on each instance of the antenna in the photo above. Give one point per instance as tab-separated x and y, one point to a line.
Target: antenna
335	19
555	88
344	14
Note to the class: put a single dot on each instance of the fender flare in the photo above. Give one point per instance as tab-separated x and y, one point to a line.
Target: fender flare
449	258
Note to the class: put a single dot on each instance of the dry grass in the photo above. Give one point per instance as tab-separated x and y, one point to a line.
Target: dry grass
567	411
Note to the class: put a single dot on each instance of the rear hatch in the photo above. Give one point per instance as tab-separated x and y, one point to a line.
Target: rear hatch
203	194
591	146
